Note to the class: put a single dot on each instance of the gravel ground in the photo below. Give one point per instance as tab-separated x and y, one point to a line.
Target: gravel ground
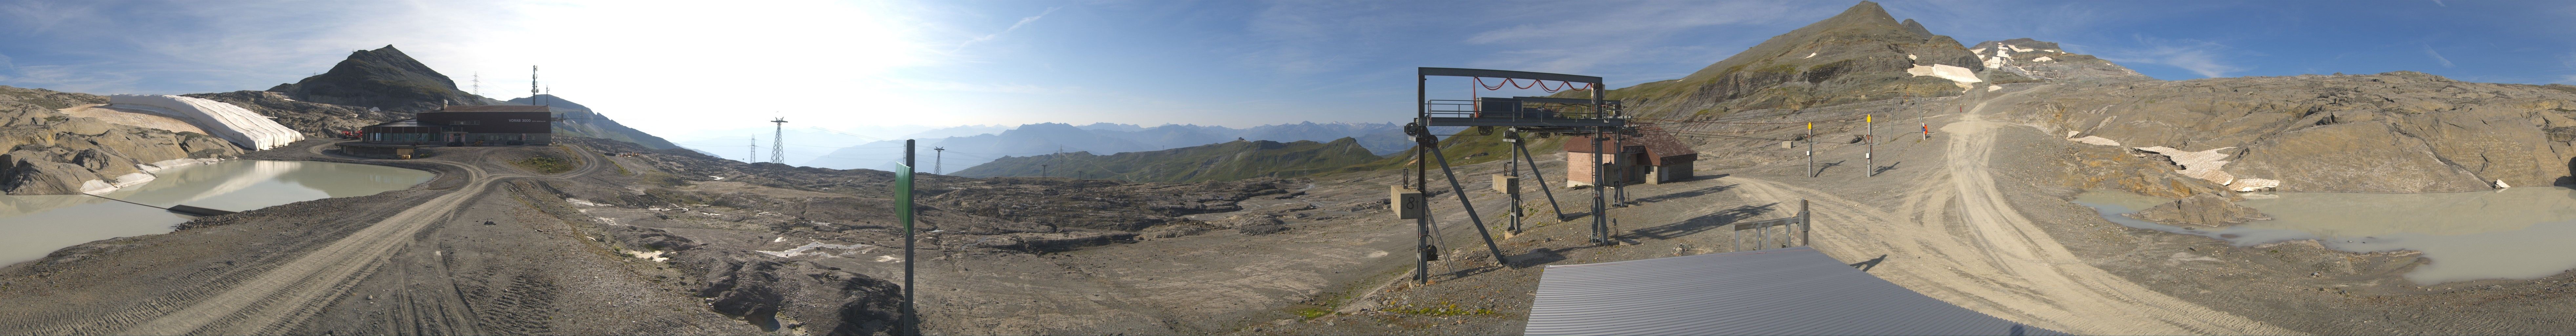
570	254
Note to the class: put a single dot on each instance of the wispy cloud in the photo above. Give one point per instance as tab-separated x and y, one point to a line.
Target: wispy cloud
1595	35
2197	56
2437	56
1300	38
1014	26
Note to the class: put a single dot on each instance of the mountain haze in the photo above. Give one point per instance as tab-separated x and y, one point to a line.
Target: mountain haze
1228	161
1048	138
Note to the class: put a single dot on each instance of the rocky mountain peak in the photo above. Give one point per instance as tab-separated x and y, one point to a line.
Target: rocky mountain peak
1858	55
1917	28
382	78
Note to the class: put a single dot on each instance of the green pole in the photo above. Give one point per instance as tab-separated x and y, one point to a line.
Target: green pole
903	204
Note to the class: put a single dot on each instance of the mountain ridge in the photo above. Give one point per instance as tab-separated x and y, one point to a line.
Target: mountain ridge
1226	161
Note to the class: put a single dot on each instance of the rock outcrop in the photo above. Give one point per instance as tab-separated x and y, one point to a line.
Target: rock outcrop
2391	132
2042	60
800	296
49	152
2135	171
384	78
232	123
313	119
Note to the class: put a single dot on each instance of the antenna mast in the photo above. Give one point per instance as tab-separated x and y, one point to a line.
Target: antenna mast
532	85
478	83
778	142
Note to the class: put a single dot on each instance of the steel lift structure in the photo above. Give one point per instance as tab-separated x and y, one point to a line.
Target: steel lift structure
1541	116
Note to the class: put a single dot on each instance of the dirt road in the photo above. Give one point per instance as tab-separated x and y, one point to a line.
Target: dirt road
279	298
1955	238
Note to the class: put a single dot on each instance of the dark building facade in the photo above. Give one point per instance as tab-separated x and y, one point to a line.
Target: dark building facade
470	125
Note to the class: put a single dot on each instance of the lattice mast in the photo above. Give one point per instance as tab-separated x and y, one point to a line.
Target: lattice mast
778	142
937	159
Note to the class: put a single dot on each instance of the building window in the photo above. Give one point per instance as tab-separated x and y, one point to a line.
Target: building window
465	122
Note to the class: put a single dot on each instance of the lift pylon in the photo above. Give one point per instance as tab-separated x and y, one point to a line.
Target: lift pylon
1545	115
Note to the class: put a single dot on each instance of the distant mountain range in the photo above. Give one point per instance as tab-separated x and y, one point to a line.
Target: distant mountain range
1231	160
1099	139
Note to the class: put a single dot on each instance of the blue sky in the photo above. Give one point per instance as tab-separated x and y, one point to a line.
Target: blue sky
718	70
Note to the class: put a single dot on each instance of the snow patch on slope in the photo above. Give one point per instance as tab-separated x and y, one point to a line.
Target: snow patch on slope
231	123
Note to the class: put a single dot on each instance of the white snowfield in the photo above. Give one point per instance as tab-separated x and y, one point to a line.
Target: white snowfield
231	123
1961	76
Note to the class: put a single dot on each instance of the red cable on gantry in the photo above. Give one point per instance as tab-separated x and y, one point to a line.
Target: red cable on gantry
1540	84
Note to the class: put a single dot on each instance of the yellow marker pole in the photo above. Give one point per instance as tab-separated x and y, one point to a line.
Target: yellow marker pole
1872	154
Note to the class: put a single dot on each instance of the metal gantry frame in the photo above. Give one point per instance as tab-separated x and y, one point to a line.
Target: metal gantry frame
1599	117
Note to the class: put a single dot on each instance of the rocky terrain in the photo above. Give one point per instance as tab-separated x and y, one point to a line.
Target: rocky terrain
1858	56
53	152
581	121
1970	209
2391	132
49	152
317	120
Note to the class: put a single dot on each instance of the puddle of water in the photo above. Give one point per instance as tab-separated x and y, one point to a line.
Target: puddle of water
2517	233
40	224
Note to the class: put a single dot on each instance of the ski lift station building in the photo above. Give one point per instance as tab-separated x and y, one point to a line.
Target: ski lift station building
1650	159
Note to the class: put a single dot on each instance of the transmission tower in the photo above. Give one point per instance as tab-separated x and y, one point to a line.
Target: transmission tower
937	159
778	142
753	154
478	83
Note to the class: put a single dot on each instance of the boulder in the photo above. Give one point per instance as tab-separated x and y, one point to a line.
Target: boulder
32	173
798	295
648	239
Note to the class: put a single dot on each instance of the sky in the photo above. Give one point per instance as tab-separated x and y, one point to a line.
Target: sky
716	72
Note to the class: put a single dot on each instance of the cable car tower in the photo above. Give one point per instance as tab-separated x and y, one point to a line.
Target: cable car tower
1543	116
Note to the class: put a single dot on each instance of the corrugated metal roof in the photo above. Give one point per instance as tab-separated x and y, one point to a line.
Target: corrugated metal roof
1792	291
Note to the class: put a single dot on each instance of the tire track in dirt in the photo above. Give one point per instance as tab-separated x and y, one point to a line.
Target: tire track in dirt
1954	237
284	295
